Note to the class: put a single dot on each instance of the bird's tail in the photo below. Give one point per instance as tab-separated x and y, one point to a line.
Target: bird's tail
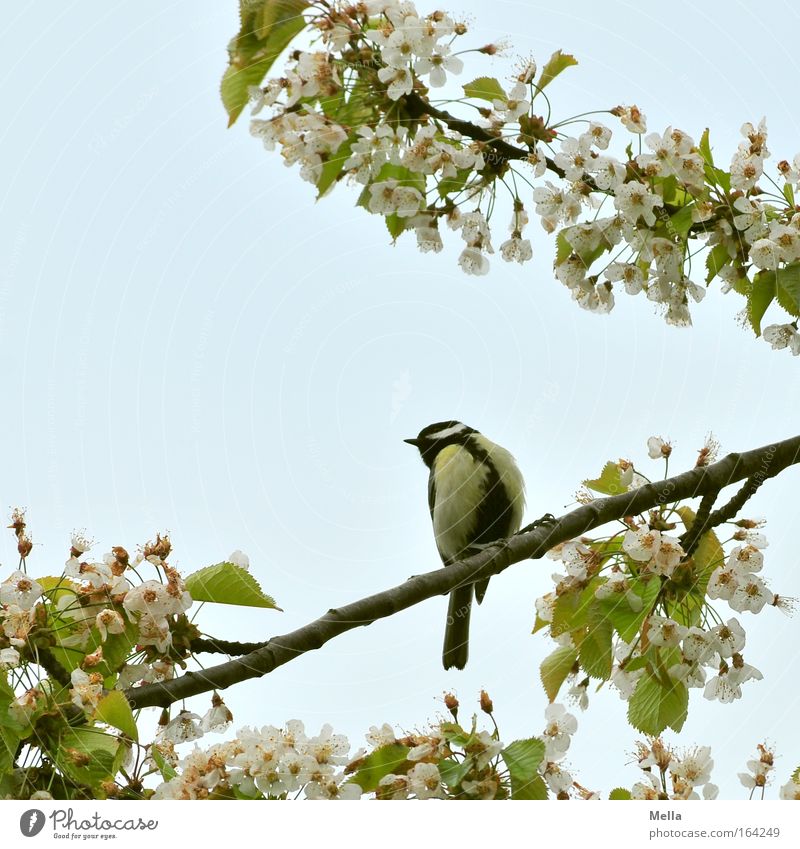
456	632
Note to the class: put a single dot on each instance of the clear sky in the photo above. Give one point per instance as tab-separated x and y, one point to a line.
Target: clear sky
191	343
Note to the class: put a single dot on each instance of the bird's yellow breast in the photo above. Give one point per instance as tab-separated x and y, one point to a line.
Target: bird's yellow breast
458	479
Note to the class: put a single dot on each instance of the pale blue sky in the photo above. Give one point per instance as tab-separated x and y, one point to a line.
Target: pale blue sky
191	343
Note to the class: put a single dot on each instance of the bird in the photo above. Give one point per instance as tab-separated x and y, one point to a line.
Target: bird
476	496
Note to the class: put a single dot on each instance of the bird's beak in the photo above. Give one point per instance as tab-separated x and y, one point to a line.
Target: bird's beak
414	442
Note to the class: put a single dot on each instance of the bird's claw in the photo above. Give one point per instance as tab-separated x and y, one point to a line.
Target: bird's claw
547	519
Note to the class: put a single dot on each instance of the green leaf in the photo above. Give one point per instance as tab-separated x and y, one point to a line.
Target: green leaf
538	624
610	480
717	258
787	281
555	668
395	225
387	760
115	710
266	30
796	775
621	792
707	555
618	611
557	63
523	758
168	772
760	296
453	185
227	583
485	88
655	706
570	609
454	772
595	650
681	221
788	193
705	148
333	167
102	754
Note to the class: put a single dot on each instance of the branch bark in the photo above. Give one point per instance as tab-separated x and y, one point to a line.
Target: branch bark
760	463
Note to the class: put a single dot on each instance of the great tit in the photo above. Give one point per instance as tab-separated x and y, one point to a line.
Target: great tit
476	496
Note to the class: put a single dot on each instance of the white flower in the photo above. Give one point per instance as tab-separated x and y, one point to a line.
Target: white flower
790	790
573	158
751	594
560	725
617	584
108	621
625	681
746	558
152	598
17	623
428	239
635	201
597	135
657	448
632	277
781	336
473	261
745	171
424	781
326	747
765	254
20	590
558	779
80	543
631	118
515	105
730	638
649	789
335	787
437	64
217	718
664	632
86	690
400	81
694	767
239	558
8	658
516	249
544	607
389	197
183	728
641	544
608	173
383	736
698	645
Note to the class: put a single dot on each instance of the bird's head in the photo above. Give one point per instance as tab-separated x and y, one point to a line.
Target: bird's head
434	437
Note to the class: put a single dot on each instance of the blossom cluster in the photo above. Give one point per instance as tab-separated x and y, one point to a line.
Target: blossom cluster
269	762
355	106
668	774
657	600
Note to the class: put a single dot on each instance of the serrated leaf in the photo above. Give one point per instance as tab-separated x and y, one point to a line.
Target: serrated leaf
610	480
618	611
265	32
787	284
395	225
760	296
485	88
569	611
595	650
555	668
387	760
115	710
538	624
523	758
796	775
654	706
557	63
621	792
227	583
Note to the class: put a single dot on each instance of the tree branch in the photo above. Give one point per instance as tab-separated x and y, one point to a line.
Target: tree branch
761	463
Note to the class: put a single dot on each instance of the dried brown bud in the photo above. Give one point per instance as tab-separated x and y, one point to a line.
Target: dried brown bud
24	546
486	703
451	703
160	548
